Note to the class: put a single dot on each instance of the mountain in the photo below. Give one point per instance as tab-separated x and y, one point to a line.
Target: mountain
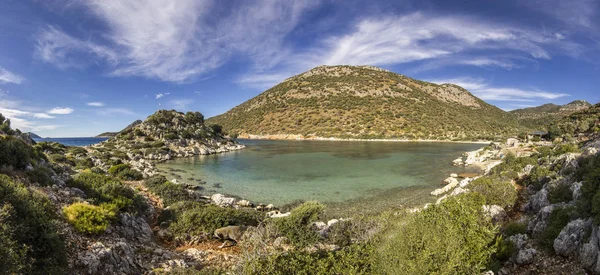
366	102
541	116
32	135
582	125
112	134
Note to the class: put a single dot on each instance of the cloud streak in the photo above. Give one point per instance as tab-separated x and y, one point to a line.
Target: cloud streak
483	90
9	77
176	41
95	104
60	111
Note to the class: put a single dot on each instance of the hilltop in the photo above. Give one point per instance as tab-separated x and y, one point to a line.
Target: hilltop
112	134
366	102
162	136
32	135
541	116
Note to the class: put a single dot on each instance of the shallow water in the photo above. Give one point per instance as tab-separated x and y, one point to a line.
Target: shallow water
282	172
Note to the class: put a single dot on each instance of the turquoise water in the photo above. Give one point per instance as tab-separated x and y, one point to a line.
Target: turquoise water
282	172
78	141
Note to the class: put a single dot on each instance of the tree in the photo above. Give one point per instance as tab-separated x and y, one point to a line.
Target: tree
194	117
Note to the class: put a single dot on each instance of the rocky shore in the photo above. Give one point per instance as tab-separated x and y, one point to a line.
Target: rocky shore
302	137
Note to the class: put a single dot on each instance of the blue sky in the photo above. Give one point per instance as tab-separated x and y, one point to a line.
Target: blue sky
79	68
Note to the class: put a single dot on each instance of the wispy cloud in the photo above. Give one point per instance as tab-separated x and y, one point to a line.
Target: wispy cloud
9	77
95	104
485	91
161	95
115	111
60	111
575	12
180	104
439	41
178	41
42	115
22	119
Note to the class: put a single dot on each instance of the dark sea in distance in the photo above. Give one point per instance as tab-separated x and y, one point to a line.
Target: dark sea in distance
75	141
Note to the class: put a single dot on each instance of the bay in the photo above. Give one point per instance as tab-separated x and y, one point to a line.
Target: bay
75	141
334	172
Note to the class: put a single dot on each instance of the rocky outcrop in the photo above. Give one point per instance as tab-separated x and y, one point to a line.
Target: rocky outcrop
571	237
524	252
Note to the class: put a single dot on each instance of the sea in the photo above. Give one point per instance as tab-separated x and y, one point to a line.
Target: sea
74	141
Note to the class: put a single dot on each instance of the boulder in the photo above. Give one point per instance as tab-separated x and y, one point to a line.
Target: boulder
588	255
101	258
525	256
571	237
454	175
451	183
222	201
244	203
451	180
537	201
194	254
133	228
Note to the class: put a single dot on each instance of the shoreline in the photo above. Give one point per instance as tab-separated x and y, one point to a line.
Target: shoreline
299	138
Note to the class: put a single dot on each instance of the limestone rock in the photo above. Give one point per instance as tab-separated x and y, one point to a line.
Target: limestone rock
222	201
571	237
537	201
525	256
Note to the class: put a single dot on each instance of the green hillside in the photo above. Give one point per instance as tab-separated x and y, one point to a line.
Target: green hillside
541	116
367	102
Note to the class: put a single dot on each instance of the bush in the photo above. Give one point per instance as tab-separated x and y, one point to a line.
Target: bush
297	227
169	192
495	191
199	219
28	232
84	163
589	173
355	259
194	118
89	219
124	172
560	192
514	228
103	189
538	176
15	153
41	175
558	219
450	238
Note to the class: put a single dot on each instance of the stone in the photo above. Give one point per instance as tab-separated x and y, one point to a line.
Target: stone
77	192
173	264
454	175
588	255
495	212
576	189
538	224
244	203
569	163
537	201
269	207
571	237
332	222
194	254
525	256
319	225
103	258
458	190
134	228
452	182
222	201
279	214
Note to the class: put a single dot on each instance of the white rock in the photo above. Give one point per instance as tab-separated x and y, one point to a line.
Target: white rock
454	175
222	201
332	222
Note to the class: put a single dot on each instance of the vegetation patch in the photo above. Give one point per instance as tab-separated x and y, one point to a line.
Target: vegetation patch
297	227
90	219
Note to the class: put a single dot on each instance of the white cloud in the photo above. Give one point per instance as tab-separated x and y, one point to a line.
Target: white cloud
115	111
439	41
60	111
21	119
9	77
159	96
95	104
483	90
179	40
42	115
180	104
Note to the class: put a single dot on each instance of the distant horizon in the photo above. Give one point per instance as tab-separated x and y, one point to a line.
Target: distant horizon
74	68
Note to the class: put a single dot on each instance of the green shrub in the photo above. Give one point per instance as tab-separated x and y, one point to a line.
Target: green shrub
84	163
514	228
354	259
28	230
103	189
297	227
495	191
41	175
200	219
170	136
450	238
589	173
124	172
169	192
74	150
15	153
58	158
538	176
560	193
89	219
565	148
558	219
